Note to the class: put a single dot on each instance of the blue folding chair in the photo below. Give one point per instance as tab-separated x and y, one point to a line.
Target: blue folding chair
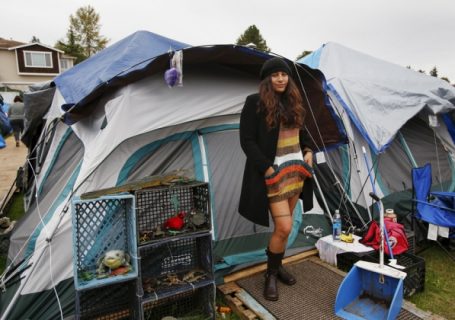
437	208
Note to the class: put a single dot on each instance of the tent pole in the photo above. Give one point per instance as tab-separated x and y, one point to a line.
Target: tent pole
206	177
343	190
373	188
322	196
363	193
349	200
32	268
19	290
407	150
338	105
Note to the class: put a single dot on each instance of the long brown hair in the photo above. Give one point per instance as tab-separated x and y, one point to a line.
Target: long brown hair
291	113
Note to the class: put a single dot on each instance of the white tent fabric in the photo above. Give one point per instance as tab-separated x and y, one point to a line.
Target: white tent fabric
380	96
203	95
210	99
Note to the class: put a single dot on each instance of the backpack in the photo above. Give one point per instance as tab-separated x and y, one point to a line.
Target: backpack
397	237
5	126
2	142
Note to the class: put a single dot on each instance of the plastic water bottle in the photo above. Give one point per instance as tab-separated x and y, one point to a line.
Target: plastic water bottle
336	226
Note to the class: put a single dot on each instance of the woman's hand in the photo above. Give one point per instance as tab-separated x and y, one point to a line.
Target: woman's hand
269	172
308	158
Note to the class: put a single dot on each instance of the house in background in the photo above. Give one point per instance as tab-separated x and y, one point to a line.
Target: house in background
23	64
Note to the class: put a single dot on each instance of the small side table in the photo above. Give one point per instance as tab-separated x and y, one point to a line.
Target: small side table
328	248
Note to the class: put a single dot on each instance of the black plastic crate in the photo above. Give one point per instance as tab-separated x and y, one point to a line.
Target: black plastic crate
175	265
192	304
411	241
414	268
346	260
101	225
155	206
112	302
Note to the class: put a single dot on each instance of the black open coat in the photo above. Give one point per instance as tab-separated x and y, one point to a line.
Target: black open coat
259	144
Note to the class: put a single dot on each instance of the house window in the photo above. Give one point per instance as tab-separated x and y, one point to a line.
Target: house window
37	59
65	64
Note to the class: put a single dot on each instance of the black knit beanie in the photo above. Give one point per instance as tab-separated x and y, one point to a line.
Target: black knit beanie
274	65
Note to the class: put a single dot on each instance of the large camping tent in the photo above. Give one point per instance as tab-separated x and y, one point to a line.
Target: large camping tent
121	122
400	117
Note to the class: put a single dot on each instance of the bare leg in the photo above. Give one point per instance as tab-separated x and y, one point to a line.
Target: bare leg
282	218
282	226
293	202
283	275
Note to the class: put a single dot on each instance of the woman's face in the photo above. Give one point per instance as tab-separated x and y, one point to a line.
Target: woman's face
279	81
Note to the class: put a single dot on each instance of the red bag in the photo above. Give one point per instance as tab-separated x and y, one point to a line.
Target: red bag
397	237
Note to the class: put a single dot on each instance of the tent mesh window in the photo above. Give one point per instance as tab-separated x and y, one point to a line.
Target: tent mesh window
157	207
101	225
193	304
117	301
176	265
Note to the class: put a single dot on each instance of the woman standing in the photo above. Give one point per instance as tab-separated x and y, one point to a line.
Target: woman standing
16	117
278	161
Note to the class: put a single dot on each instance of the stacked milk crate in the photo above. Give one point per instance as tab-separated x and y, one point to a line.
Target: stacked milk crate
175	246
105	260
164	234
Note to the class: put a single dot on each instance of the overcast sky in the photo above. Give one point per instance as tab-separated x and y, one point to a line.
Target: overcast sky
416	33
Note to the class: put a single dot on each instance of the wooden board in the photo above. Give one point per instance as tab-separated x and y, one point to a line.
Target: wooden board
255	306
243	304
166	179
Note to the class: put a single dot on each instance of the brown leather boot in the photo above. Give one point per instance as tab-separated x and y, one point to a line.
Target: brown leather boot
273	263
270	288
284	276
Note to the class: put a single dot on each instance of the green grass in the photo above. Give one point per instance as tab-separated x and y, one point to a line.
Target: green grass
16	210
2	263
439	294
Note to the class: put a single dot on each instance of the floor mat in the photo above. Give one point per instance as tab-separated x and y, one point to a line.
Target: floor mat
313	297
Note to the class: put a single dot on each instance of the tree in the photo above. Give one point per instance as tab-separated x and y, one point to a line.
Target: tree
35	40
446	79
84	39
303	54
434	72
252	35
72	47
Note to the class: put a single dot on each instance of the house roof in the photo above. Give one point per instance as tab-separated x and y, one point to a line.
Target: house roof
24	45
6	44
13	44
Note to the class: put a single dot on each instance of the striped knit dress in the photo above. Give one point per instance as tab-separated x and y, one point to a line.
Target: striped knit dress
290	169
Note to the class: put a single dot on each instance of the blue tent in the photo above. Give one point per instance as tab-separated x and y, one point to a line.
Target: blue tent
107	68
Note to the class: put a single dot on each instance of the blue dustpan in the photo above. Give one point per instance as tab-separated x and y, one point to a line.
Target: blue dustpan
371	290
